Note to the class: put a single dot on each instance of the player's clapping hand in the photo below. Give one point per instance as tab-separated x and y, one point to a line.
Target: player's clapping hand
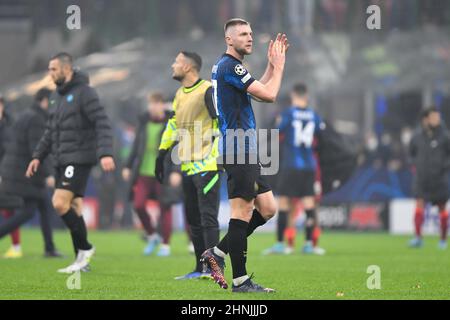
107	164
280	38
277	54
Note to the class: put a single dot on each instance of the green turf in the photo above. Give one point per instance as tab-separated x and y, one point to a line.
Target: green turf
119	271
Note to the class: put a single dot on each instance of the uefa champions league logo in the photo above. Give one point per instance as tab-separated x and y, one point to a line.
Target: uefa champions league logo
240	70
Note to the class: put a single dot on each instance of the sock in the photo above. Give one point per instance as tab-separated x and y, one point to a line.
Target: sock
17	247
77	229
237	241
166	224
15	234
443	215
238	281
281	224
310	223
75	248
152	237
418	221
289	234
256	221
316	235
83	240
219	252
15	237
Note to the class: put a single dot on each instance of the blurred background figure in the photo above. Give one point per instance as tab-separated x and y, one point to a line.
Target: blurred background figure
5	122
140	173
25	135
299	127
430	152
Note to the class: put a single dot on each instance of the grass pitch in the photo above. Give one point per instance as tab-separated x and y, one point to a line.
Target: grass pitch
119	271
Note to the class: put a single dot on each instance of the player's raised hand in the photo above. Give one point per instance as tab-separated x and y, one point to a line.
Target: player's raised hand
285	42
278	57
269	51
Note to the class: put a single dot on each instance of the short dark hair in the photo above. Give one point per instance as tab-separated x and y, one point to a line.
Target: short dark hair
234	22
63	57
155	96
42	94
427	111
433	109
300	89
195	58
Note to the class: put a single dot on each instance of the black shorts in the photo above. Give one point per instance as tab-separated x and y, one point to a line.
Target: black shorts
296	183
245	181
434	191
73	178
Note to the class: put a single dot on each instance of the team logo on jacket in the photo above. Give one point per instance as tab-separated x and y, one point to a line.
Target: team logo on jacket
70	98
240	70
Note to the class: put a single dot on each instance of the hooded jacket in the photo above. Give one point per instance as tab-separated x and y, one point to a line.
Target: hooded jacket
5	124
25	135
78	131
430	153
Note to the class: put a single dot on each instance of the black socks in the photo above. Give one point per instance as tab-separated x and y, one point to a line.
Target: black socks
310	223
237	244
281	224
77	229
256	221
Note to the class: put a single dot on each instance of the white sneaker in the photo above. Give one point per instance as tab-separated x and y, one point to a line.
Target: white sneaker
319	251
82	261
70	269
84	257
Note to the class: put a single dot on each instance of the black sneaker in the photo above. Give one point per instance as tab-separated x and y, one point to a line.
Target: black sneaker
251	287
217	265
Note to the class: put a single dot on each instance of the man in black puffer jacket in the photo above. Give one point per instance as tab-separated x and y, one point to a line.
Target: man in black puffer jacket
5	122
430	152
25	135
78	135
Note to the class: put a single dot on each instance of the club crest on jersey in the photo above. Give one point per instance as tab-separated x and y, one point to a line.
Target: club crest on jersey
240	70
70	98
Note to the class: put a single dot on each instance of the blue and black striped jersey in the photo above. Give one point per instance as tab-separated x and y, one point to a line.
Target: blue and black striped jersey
230	81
